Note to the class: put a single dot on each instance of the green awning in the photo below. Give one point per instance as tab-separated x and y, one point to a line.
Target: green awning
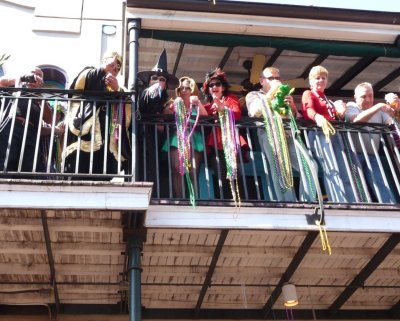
336	48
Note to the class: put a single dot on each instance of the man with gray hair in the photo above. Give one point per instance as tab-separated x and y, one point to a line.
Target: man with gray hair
365	111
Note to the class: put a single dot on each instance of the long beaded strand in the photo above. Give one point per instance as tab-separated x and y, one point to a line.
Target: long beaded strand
278	144
182	120
360	195
230	147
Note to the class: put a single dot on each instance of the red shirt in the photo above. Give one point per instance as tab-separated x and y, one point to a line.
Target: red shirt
316	103
232	102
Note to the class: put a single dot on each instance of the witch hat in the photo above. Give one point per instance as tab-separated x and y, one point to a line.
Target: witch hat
160	69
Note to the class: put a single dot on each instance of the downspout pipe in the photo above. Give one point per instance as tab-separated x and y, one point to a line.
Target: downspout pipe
135	246
134	27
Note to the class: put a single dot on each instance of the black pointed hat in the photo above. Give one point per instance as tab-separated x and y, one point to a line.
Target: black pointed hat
160	69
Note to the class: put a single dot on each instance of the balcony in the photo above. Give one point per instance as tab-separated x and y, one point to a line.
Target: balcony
66	234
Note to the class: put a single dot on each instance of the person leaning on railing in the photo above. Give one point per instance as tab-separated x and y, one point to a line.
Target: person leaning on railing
364	110
393	101
257	102
187	96
81	121
151	103
325	145
222	143
15	111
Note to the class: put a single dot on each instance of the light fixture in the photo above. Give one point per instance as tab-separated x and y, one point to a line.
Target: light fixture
109	30
289	295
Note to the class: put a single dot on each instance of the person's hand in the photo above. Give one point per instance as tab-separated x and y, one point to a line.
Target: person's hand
320	120
387	109
340	107
290	101
59	129
392	100
112	82
154	90
194	100
169	107
32	80
38	80
326	126
218	105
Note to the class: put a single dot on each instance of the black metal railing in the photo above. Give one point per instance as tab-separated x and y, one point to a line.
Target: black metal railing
357	152
52	134
70	135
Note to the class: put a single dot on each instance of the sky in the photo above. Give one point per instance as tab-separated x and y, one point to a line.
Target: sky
382	5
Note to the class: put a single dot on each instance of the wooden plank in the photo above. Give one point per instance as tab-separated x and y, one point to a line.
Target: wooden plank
235	272
56	225
255	252
62	269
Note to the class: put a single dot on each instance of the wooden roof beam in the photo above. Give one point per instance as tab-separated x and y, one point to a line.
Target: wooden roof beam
50	260
274	57
178	58
387	80
317	61
291	269
225	58
369	268
213	264
351	73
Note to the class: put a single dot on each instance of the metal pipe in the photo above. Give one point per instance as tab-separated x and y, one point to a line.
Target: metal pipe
134	26
134	271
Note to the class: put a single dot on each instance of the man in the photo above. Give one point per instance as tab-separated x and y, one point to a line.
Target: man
109	112
16	114
255	101
152	101
364	110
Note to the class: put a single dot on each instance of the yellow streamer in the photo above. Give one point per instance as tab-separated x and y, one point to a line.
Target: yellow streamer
328	130
324	238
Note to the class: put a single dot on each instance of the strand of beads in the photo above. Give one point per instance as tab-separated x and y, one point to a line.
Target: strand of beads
355	175
278	144
230	147
306	167
182	120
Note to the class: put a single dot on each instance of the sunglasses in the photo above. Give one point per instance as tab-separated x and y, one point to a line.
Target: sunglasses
216	84
159	78
272	78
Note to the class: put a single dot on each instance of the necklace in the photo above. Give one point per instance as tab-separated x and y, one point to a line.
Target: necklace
330	107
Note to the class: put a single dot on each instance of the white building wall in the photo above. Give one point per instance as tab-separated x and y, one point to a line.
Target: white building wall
65	33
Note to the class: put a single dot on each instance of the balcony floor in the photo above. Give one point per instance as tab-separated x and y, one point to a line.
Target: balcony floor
209	262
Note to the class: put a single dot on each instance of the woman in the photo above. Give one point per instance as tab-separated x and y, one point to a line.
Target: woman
187	94
223	143
326	149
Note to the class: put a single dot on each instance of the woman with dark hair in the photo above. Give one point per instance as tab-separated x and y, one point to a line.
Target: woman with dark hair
222	142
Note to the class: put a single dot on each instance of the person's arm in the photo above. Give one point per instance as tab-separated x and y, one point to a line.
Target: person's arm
307	105
254	104
47	113
289	100
366	115
196	101
232	102
7	81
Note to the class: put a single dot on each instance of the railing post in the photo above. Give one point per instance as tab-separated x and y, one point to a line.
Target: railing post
134	26
135	245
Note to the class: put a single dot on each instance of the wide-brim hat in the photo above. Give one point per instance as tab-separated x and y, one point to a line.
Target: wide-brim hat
160	69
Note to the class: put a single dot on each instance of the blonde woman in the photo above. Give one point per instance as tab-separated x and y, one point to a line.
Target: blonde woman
330	155
186	94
